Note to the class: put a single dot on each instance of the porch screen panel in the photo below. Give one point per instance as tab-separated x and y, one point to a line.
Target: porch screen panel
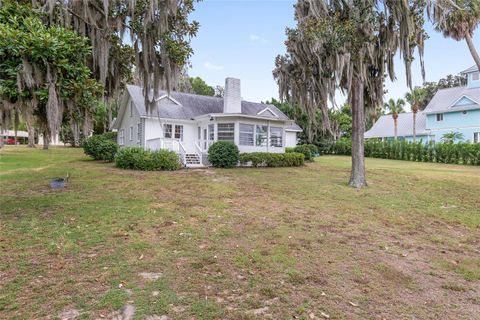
246	134
211	132
261	136
226	132
276	137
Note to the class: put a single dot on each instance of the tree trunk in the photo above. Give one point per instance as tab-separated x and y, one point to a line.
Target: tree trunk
472	49
357	177
395	126
46	140
31	132
1	136
414	126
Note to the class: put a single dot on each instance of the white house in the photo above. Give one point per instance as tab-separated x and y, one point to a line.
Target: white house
188	124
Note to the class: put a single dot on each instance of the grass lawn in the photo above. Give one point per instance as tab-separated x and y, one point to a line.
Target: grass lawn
274	243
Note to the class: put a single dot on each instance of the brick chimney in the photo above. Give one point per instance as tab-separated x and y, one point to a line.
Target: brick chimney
232	100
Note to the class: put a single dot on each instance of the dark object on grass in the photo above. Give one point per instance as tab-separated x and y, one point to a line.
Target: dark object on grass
59	183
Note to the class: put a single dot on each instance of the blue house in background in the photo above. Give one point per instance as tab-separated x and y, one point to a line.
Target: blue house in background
450	110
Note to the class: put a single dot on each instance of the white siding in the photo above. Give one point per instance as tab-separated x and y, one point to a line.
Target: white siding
131	118
290	139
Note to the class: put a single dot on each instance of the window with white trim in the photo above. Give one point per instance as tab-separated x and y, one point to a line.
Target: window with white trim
476	76
179	132
199	133
246	134
167	131
139	132
131	133
439	116
131	109
476	137
226	132
261	136
276	136
121	137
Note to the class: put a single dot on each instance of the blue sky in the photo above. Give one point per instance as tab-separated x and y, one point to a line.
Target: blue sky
241	38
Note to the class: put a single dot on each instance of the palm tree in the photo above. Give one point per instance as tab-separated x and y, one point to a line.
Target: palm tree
458	20
415	98
451	137
394	108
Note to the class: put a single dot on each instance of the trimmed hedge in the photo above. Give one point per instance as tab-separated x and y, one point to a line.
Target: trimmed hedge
269	159
308	150
136	158
223	154
101	146
459	153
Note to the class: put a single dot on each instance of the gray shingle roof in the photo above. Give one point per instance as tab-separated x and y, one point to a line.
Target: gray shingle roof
445	98
471	69
294	127
192	105
384	127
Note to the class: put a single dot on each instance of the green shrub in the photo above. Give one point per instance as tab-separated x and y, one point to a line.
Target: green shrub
223	154
289	149
306	150
313	149
269	159
101	147
136	158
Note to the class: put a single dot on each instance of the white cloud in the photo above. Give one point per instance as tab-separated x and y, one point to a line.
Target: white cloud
212	66
255	37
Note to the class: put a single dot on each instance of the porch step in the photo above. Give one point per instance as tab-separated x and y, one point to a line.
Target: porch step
192	159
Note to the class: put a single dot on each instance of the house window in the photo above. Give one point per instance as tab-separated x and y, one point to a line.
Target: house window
121	136
246	134
476	76
226	132
139	132
179	132
276	135
476	137
131	133
439	116
261	136
131	109
199	133
167	131
211	132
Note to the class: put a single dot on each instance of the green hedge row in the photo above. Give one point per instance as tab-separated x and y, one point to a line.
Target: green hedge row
101	146
138	159
269	159
458	153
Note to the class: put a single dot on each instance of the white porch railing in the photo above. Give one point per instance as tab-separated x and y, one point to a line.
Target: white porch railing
168	144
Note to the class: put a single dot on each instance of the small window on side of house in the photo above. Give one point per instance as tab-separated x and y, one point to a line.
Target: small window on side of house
139	132
179	132
131	133
439	116
476	76
131	109
476	137
167	131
